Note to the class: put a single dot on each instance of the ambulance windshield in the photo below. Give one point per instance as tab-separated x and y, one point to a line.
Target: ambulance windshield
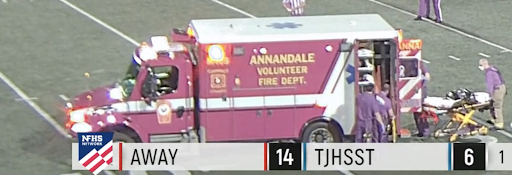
133	70
128	82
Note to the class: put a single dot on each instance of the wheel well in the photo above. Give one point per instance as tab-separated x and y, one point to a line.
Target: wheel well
123	129
331	124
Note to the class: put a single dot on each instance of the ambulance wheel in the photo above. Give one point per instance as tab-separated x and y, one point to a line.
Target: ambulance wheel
321	132
121	137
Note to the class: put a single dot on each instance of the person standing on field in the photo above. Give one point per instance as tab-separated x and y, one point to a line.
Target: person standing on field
497	91
369	118
294	7
424	10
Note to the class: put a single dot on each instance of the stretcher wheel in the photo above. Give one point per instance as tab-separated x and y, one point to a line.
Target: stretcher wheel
483	130
437	133
454	137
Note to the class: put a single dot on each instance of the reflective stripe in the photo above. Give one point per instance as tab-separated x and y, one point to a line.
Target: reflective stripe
260	101
219	103
409	86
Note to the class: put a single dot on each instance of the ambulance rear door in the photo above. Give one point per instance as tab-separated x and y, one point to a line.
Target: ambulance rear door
410	79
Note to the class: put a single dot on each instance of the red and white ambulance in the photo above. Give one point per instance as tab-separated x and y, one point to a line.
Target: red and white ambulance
262	79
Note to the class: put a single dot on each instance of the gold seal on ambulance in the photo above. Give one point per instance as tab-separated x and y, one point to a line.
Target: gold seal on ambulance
164	111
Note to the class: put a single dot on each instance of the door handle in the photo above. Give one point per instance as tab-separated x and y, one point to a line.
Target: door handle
270	112
180	111
258	113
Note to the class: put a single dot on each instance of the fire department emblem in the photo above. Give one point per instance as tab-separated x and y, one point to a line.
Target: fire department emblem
164	112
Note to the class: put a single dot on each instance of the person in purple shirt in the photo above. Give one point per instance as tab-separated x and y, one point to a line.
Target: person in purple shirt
424	10
497	91
422	123
368	112
386	112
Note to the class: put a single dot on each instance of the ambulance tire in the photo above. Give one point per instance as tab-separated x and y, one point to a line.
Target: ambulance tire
336	135
121	137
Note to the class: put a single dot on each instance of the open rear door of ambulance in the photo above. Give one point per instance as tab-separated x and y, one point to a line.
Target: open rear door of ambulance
410	79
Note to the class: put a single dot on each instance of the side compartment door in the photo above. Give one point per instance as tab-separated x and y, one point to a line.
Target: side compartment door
409	73
280	112
248	115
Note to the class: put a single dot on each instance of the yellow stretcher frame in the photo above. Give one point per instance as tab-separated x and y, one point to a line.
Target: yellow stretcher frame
394	130
462	115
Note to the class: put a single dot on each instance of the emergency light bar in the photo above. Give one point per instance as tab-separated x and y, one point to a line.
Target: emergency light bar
306	156
160	43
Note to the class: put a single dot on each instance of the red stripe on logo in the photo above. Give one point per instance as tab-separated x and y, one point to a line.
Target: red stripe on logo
101	162
89	161
109	150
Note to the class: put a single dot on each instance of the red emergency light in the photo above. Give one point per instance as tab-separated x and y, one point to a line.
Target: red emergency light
190	32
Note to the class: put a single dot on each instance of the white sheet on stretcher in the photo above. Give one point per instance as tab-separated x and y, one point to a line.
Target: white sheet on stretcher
442	102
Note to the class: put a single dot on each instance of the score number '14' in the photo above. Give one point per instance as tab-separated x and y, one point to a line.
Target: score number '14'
285	156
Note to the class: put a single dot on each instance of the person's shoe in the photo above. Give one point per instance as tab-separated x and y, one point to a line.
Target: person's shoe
420	135
438	21
491	121
418	18
428	17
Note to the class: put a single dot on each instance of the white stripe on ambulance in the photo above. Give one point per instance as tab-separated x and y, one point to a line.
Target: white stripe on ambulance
220	103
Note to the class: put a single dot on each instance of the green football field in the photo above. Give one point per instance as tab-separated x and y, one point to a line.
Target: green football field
47	46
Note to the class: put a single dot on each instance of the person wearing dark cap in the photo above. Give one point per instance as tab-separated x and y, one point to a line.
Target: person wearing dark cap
424	10
386	112
368	112
497	91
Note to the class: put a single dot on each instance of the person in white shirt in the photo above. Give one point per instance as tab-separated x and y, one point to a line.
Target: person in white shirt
295	7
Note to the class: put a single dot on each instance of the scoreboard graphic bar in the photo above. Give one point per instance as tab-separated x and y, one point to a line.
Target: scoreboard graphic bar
308	156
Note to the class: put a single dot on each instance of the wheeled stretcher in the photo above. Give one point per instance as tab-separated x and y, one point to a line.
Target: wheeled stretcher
460	111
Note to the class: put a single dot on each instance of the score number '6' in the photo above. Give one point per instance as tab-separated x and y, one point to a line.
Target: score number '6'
469	159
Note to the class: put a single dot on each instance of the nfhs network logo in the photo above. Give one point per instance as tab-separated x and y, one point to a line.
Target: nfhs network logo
92	140
95	150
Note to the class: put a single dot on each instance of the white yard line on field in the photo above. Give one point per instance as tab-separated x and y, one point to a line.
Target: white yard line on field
503	48
453	57
484	55
129	39
33	105
63	97
117	32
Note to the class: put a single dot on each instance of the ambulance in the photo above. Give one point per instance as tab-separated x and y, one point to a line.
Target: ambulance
265	79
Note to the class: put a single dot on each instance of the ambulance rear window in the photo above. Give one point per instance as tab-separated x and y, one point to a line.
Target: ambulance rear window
409	68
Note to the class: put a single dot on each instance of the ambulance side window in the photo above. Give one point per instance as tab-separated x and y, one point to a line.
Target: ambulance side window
408	68
166	79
